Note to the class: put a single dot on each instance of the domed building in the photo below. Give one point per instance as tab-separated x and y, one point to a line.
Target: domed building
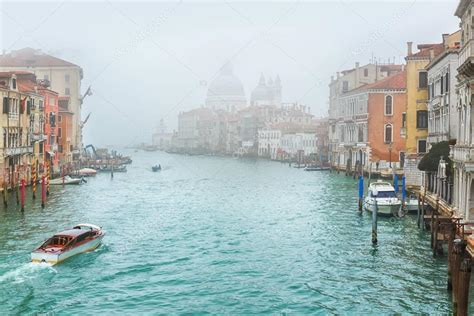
267	92
226	91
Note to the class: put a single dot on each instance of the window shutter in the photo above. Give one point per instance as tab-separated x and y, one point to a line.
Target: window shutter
28	107
22	106
5	105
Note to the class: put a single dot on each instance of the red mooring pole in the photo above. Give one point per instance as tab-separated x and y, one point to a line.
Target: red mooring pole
22	189
43	191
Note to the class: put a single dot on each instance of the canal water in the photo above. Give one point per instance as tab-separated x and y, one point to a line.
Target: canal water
223	236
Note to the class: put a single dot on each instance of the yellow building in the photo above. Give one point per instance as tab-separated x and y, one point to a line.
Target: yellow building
415	121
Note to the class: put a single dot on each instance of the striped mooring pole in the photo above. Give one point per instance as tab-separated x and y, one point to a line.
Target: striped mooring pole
48	176
33	178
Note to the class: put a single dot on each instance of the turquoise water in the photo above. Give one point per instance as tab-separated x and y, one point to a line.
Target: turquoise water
222	236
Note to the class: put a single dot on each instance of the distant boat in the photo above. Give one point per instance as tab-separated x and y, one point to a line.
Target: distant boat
86	172
156	168
314	168
119	168
79	239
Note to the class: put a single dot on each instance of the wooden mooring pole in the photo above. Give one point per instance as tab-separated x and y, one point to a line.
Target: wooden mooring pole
464	279
361	192
33	179
452	236
43	191
458	249
374	223
22	195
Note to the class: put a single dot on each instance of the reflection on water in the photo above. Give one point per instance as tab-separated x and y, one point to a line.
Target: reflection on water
219	235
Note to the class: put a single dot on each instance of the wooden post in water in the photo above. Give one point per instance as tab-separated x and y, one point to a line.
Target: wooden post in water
452	236
374	223
435	231
458	249
22	195
43	191
112	170
464	279
418	212
17	187
361	192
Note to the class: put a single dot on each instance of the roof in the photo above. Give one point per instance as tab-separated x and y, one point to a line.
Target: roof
424	50
72	232
30	57
397	81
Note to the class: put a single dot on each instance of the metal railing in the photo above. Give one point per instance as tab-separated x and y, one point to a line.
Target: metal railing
441	187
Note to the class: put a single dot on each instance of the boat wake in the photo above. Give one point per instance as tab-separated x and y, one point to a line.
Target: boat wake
26	272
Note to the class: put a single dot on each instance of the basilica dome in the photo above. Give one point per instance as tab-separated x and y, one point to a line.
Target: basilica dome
226	91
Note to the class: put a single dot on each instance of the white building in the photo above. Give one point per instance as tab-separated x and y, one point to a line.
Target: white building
267	92
269	142
291	143
161	139
442	115
463	152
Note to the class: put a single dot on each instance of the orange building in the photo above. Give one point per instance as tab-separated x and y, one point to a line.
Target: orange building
65	132
387	116
50	125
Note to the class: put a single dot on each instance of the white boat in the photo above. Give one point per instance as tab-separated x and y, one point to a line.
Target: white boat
382	195
87	172
81	238
67	180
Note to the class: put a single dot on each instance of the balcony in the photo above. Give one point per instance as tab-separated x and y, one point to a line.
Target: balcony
465	66
18	151
403	132
463	153
38	137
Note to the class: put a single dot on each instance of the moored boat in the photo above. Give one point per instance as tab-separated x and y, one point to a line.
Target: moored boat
156	168
63	245
382	196
66	180
87	172
316	168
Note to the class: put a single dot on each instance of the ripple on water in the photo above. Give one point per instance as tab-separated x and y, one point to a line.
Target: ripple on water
221	236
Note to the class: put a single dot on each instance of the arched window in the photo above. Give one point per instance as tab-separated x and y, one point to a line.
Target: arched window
388	105
388	133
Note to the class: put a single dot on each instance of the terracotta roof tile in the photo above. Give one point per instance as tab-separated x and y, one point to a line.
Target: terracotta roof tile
29	57
425	50
396	81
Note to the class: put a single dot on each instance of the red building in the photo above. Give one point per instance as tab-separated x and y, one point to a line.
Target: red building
51	125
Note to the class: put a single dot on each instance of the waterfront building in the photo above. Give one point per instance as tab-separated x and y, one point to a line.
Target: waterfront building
51	126
369	119
442	72
269	142
267	92
64	78
226	91
161	139
462	153
65	132
342	84
300	143
17	122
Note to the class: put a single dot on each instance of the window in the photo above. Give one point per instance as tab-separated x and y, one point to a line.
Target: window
447	82
52	101
67	91
388	133
13	83
422	119
366	72
388	105
422	80
66	78
5	105
404	119
345	86
422	146
60	148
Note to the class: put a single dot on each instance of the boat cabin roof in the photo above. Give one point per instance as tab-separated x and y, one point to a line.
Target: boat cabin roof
382	186
72	232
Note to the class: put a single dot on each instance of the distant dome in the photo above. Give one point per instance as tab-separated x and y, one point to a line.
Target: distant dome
226	91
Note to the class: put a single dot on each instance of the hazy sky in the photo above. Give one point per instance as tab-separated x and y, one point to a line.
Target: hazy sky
152	60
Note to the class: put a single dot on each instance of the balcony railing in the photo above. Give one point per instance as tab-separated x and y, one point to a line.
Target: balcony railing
38	137
18	150
462	153
441	187
466	52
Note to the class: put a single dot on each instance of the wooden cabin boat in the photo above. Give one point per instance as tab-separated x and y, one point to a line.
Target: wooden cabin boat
63	245
87	172
66	180
156	168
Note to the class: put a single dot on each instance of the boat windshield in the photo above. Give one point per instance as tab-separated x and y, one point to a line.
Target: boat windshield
57	241
386	194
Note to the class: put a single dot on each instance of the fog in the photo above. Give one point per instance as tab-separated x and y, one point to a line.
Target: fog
152	60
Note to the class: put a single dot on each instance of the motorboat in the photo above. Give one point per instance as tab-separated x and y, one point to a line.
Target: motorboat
63	245
315	168
156	168
411	203
87	172
65	180
382	196
110	168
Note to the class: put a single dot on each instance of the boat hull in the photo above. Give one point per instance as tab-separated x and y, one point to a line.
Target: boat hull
387	209
55	258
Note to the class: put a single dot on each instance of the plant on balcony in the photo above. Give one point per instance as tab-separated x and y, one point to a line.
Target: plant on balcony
430	161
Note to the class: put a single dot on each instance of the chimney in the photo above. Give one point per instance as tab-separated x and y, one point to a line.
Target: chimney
357	64
445	40
431	53
410	48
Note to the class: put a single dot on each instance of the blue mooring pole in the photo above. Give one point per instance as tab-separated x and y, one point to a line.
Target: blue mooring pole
361	192
404	191
395	183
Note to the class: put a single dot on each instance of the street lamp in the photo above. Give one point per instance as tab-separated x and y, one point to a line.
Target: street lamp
390	154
